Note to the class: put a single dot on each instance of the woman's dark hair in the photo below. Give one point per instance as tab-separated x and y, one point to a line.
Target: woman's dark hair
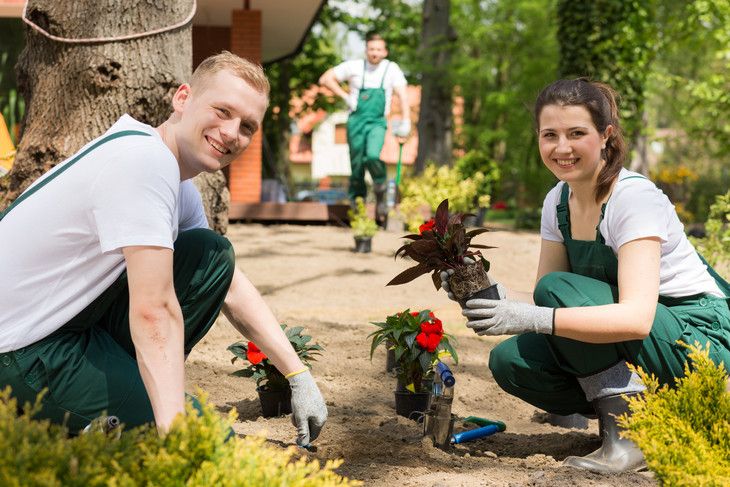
600	101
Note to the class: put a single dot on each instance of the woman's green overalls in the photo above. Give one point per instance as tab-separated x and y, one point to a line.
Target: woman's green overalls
366	128
542	369
89	365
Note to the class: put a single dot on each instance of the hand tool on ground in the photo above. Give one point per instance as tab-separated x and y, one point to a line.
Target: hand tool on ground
487	427
438	422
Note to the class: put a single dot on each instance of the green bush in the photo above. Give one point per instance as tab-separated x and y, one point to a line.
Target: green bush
193	453
715	247
423	193
485	171
684	431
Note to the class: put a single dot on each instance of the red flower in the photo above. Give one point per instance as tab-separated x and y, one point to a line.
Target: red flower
253	354
432	331
432	327
499	205
428	342
427	226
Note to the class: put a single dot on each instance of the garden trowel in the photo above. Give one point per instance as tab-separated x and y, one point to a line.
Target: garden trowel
438	422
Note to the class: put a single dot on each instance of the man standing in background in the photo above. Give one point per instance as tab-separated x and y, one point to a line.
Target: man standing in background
371	83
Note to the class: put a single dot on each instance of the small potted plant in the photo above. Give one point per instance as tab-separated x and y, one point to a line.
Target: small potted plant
442	244
417	339
271	385
363	227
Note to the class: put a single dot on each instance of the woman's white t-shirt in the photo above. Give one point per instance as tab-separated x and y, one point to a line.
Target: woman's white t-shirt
638	209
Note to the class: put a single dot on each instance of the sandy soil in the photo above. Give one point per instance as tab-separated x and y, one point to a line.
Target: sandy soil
310	276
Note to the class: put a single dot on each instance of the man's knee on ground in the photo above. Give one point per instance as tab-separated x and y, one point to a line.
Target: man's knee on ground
547	287
213	250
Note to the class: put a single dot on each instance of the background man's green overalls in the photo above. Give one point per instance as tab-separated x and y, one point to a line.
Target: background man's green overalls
89	365
366	129
543	369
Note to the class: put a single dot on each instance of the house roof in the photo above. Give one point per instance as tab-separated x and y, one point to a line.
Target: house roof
285	23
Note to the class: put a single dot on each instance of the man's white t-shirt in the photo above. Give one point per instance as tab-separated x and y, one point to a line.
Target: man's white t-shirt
638	209
62	246
352	72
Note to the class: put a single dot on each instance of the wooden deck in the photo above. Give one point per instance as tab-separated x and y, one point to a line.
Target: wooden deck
300	212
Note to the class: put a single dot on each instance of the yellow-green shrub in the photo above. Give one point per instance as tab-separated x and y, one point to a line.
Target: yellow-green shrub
427	190
362	225
715	247
193	453
684	431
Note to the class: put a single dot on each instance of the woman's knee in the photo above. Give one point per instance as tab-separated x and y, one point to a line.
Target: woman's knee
501	360
548	288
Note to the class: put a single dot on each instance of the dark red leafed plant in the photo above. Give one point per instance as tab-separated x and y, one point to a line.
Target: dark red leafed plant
442	243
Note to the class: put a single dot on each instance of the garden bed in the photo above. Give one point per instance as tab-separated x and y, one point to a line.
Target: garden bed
311	277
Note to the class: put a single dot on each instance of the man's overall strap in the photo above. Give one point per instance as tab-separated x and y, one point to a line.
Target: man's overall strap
382	80
70	163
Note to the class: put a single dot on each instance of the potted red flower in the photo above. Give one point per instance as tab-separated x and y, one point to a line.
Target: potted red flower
417	338
271	385
442	244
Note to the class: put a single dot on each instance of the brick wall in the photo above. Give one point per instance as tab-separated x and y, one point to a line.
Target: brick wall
209	40
244	175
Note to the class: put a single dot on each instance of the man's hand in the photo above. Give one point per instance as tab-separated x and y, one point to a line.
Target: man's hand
403	129
309	412
498	317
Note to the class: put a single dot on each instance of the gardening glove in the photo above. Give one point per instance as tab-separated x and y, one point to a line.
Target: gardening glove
309	412
403	129
446	275
498	317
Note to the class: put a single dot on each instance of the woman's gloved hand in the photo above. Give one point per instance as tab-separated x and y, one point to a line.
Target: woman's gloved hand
446	275
309	411
500	317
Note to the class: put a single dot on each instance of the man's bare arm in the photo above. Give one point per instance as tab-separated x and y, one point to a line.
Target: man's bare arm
157	329
251	316
328	80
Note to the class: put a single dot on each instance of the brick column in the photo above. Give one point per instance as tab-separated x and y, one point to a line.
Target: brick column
244	176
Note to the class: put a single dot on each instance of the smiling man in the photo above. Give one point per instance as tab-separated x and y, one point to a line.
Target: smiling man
111	276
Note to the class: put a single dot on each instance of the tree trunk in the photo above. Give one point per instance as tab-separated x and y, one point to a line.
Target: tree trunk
75	92
435	120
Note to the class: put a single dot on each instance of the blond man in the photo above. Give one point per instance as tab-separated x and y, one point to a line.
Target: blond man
111	289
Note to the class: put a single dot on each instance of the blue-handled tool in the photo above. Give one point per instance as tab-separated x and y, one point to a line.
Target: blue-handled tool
474	434
445	373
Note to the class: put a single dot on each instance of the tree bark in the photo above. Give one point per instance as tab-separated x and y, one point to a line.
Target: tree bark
435	121
75	92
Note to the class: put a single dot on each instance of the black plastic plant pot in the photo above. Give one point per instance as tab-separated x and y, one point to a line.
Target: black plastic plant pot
274	403
389	357
363	245
411	405
489	293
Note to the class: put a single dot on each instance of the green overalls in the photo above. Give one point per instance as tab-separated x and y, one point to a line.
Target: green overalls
542	369
366	128
89	365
